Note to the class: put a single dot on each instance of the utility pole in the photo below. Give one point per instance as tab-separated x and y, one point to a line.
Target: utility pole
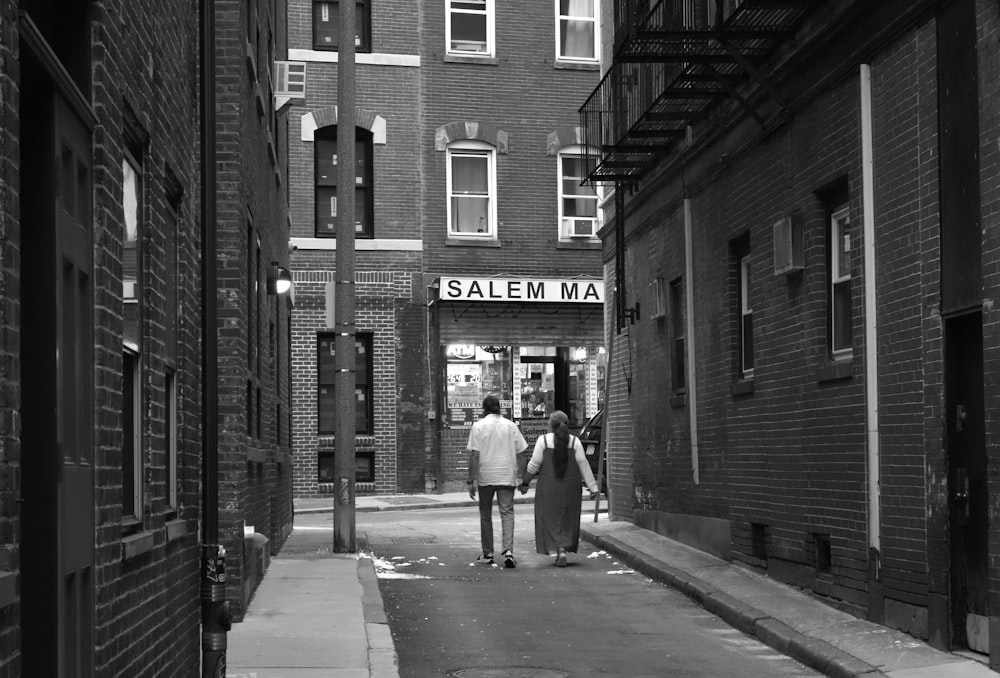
344	360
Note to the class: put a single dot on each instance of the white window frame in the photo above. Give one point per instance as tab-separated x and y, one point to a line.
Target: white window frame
746	310
488	12
840	221
476	149
564	230
560	17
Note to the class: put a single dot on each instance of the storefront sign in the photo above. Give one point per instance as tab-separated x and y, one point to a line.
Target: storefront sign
566	291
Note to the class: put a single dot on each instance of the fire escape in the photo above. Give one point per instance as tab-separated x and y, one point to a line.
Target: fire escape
673	61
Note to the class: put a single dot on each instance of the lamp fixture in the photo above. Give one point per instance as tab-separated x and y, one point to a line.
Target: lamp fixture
279	280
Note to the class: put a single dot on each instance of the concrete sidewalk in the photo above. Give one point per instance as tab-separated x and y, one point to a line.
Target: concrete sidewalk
830	641
320	614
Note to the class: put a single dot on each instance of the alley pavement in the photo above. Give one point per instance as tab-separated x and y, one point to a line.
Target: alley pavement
322	614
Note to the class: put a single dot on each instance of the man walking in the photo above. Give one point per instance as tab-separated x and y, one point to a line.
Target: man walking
494	443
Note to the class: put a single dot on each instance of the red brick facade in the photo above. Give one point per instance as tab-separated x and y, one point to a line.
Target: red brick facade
783	458
518	102
94	94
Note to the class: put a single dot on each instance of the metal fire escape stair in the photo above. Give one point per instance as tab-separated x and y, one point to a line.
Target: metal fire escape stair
674	61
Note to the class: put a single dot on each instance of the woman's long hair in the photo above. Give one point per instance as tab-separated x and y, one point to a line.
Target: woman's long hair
559	424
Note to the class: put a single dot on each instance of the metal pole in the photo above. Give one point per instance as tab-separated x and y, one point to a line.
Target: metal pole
215	621
344	361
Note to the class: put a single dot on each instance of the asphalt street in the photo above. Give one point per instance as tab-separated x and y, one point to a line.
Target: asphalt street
451	616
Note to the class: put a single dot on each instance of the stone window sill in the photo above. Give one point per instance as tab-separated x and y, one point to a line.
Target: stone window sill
137	544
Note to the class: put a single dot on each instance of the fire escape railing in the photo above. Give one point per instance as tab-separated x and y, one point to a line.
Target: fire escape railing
675	60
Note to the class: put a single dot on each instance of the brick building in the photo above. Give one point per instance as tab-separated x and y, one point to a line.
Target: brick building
469	161
103	226
804	210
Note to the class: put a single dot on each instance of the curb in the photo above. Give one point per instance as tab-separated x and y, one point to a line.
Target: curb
383	661
409	507
814	653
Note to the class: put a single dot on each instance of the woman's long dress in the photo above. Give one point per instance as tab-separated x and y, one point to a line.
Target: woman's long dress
557	504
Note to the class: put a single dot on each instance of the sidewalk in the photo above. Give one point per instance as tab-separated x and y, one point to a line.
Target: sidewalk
340	628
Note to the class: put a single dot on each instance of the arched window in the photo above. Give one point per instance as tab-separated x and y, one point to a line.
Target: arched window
472	208
326	183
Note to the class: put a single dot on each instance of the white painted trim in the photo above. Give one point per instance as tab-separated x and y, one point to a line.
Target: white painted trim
373	245
373	59
308	125
871	318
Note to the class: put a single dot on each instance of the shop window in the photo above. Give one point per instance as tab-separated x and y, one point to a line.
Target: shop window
469	28
364	468
326	183
474	372
326	26
677	329
576	31
840	318
578	214
363	365
471	176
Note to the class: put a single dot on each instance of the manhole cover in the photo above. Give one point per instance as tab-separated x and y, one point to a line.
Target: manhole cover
510	672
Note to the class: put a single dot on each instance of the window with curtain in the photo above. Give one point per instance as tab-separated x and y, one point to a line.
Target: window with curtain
469	27
576	32
471	190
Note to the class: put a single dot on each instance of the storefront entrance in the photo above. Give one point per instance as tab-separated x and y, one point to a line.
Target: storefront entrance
531	382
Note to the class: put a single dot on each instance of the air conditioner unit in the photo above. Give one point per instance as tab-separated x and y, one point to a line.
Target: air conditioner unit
289	83
580	228
788	254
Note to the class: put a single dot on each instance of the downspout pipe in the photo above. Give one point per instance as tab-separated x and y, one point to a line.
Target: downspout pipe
692	386
215	618
871	352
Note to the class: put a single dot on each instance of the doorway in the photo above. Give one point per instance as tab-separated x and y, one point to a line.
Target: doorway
58	363
967	482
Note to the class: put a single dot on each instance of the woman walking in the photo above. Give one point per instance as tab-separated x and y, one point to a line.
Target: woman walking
558	497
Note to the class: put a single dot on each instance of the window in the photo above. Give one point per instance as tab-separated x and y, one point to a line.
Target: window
471	190
170	409
362	383
745	309
364	466
326	26
132	282
576	30
677	327
326	183
841	330
469	27
578	216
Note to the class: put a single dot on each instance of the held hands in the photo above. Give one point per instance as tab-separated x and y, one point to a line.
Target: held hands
593	495
523	487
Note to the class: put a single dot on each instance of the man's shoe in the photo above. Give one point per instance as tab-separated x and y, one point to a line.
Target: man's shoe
508	560
485	559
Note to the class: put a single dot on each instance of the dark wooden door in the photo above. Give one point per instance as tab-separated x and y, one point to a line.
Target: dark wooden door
967	482
58	364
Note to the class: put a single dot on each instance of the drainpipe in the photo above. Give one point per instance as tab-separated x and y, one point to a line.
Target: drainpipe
215	619
689	336
871	353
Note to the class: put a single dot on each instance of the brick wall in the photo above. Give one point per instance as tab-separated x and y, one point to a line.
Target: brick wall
255	487
787	452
